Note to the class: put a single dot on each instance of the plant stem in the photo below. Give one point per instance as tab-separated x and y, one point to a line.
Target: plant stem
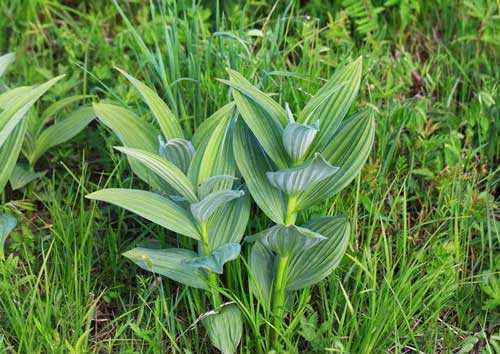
279	283
212	277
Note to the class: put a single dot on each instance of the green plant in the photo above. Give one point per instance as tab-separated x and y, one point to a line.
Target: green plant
23	132
194	197
291	163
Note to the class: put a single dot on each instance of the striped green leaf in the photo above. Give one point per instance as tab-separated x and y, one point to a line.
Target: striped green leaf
216	260
253	164
225	327
9	153
297	138
152	207
170	263
207	127
168	122
7	224
349	150
54	109
62	131
179	151
298	179
22	175
16	111
7	97
5	61
203	209
265	118
309	266
332	102
210	184
166	170
262	263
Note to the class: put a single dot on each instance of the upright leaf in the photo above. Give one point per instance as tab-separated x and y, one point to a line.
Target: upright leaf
152	207
9	153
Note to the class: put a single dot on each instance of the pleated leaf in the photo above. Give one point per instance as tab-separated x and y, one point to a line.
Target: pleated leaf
152	207
286	240
133	132
228	223
297	138
168	122
5	61
332	102
170	263
263	115
225	327
349	150
7	224
16	111
179	151
22	175
298	179
312	265
262	263
203	209
253	164
216	260
166	170
62	132
211	184
9	153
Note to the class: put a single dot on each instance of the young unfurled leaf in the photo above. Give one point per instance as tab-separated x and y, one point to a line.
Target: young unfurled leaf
168	122
203	209
216	260
224	327
349	150
170	263
166	170
7	224
211	184
297	138
298	179
179	151
151	206
253	164
23	175
5	61
287	240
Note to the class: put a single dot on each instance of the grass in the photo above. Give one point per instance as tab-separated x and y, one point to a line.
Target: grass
423	255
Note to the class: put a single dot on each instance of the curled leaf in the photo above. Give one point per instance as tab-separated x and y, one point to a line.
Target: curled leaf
212	184
297	138
216	260
178	151
203	209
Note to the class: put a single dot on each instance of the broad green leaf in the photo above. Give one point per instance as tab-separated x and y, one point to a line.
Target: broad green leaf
253	164
152	207
214	156
17	110
297	138
7	224
228	223
54	109
134	133
8	97
262	272
332	102
216	260
5	61
22	175
298	179
263	115
62	131
170	263
224	327
9	153
168	122
166	170
287	240
203	209
207	127
210	184
307	267
179	151
349	150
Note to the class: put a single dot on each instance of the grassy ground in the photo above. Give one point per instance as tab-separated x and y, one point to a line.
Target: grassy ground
422	270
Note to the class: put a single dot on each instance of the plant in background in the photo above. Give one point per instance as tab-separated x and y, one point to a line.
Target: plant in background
194	196
22	131
290	163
